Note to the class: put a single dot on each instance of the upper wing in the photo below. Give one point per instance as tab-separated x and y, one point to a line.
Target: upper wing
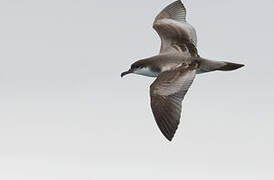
175	33
167	93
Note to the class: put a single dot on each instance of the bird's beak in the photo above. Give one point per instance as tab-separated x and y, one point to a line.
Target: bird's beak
126	72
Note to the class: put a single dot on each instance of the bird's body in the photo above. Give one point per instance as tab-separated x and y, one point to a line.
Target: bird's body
175	67
155	65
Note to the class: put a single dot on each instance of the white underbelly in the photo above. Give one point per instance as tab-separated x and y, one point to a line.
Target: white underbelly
146	72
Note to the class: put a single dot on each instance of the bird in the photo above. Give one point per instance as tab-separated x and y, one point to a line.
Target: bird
175	67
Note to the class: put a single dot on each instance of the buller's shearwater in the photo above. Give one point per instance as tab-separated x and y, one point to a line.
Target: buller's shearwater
175	67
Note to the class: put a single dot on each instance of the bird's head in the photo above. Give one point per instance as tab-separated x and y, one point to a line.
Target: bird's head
134	68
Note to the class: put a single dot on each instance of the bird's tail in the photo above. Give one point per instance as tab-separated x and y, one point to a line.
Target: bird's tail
206	65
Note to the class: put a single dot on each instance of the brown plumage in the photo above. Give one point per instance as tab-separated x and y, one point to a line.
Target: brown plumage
167	93
175	67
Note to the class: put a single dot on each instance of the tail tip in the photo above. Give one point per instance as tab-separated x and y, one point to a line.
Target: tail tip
241	65
231	66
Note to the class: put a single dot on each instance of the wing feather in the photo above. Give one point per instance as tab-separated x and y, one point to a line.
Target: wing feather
167	93
175	10
175	33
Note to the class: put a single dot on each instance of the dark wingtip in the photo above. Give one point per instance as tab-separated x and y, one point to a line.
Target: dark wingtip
169	137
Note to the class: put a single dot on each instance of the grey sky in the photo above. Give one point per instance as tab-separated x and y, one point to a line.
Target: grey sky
65	113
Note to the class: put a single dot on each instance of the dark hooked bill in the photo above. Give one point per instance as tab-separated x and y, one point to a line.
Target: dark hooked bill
126	72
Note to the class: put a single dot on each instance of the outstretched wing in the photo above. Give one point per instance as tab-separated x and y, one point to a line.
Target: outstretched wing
167	93
175	33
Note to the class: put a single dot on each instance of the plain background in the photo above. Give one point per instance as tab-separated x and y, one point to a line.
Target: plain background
65	113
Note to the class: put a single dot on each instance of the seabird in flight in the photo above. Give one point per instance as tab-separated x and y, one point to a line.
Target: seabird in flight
175	67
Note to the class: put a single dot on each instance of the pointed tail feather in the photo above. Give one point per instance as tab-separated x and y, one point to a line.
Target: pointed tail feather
230	66
206	65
